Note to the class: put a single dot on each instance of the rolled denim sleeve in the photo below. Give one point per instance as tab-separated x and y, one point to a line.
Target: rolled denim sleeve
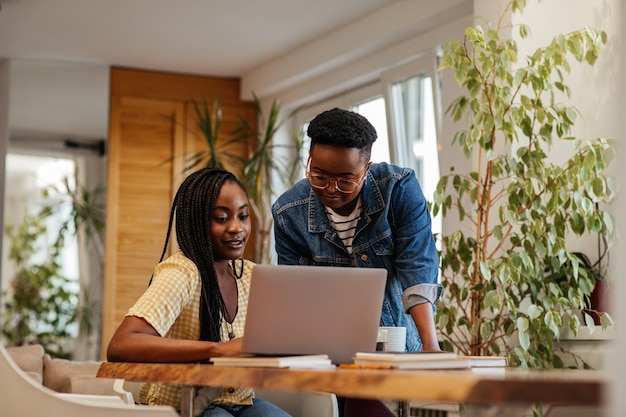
420	294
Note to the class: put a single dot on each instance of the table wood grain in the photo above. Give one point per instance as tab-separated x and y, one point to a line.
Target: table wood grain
485	386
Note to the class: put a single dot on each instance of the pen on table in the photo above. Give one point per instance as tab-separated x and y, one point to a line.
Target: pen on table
361	366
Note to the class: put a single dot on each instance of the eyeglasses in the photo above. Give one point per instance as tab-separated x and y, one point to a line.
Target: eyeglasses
343	185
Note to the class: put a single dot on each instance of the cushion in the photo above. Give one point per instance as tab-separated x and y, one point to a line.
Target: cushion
56	372
88	384
36	376
29	358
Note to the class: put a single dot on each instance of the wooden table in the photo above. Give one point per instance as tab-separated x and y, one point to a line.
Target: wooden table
503	386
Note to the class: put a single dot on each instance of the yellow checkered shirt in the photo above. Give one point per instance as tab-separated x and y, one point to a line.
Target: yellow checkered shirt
171	304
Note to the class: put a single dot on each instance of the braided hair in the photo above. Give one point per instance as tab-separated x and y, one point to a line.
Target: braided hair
193	208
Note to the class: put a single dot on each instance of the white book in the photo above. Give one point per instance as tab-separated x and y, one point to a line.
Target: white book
450	363
295	361
422	360
404	356
487	361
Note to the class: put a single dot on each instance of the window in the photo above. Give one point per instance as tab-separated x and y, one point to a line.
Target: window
27	176
374	111
414	114
369	102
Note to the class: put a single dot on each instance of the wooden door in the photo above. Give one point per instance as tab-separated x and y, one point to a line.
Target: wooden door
145	136
152	132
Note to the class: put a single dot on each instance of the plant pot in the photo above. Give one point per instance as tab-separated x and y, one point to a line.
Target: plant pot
598	301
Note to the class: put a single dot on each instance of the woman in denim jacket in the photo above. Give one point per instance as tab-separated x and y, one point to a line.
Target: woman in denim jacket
352	212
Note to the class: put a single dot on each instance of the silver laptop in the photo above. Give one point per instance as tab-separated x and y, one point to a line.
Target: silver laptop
296	310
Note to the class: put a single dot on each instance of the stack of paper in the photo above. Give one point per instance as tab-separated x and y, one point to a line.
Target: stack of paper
296	361
487	361
423	360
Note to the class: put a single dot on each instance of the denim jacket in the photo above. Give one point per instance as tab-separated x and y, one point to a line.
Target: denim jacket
394	233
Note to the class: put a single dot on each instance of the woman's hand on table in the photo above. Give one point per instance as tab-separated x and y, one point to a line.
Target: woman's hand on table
230	348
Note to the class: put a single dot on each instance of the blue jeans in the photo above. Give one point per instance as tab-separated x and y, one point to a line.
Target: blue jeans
259	408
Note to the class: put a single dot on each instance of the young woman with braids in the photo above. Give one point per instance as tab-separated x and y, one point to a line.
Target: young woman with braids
195	305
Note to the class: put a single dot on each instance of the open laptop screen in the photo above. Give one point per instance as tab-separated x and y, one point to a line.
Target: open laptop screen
313	310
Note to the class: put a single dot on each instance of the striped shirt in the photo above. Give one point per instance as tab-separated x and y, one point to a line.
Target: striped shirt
345	226
171	305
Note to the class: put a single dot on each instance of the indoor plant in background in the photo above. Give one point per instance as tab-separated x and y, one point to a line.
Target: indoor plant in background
219	151
43	303
267	161
518	207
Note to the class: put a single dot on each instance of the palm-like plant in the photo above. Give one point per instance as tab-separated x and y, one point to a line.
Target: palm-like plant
266	162
264	165
218	151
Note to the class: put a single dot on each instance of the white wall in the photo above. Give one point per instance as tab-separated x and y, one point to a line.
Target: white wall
357	53
59	99
593	88
597	92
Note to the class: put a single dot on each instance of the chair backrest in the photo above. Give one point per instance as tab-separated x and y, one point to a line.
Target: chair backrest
21	396
302	404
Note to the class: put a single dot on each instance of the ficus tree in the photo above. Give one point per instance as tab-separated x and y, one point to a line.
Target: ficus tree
510	280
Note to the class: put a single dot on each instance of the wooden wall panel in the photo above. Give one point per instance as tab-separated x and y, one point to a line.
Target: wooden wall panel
152	130
178	87
139	190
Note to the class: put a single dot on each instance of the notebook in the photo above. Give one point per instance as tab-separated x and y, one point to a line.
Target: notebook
295	310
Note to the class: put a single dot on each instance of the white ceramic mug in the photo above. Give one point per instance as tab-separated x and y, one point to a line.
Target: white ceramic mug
391	339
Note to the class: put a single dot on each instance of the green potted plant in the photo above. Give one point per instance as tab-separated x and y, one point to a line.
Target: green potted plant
517	206
219	149
42	303
266	162
597	304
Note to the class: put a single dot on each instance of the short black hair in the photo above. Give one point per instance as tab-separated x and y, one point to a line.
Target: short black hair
342	128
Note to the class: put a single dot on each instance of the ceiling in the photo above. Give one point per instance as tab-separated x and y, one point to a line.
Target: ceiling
209	37
224	38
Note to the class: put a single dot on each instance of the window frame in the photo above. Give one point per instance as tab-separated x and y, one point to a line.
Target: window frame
426	63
